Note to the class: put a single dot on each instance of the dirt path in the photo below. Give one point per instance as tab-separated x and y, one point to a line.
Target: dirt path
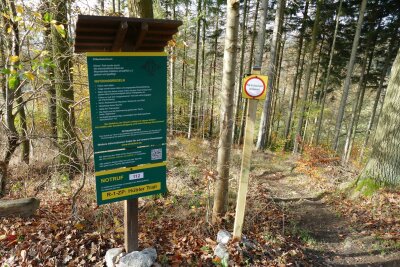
331	238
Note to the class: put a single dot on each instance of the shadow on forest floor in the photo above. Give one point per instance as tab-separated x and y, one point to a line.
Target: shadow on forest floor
332	236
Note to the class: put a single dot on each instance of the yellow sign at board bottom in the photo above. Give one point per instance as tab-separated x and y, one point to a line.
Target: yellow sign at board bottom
255	86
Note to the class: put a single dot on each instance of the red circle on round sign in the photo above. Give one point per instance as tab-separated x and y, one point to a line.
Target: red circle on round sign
254	79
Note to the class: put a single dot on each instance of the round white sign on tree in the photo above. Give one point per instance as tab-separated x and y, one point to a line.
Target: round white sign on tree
254	87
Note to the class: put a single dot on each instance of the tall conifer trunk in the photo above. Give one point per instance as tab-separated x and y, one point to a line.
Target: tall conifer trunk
226	114
315	31
265	117
196	70
349	74
288	124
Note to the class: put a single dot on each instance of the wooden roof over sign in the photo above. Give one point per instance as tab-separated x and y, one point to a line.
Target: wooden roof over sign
114	34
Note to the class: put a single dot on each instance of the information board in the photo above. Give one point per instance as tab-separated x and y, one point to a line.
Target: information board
128	100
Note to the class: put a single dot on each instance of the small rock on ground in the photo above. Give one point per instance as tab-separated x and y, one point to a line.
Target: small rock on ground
112	255
221	251
223	237
145	258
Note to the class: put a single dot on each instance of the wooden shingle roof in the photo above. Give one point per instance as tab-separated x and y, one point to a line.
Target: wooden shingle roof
107	34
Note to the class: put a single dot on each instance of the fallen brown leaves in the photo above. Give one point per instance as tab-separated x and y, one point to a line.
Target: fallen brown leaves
377	215
51	239
175	226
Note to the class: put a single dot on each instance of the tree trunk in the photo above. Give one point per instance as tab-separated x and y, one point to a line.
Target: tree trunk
315	31
383	165
172	79
278	60
377	97
295	77
326	80
200	117
349	74
196	70
11	87
347	149
17	86
226	115
62	56
214	68
184	71
312	94
265	117
50	89
140	8
241	70
278	100
253	39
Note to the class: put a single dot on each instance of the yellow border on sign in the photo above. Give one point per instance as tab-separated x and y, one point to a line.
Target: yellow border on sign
263	78
127	169
124	54
130	191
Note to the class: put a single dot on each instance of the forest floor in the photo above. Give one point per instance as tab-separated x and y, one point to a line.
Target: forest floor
297	214
338	229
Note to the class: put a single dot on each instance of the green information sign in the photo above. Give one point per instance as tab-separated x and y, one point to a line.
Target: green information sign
128	101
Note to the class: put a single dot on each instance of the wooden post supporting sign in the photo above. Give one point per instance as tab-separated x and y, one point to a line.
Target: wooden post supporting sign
131	224
254	88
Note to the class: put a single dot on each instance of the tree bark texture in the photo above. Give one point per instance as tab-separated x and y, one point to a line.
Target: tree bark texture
383	164
62	55
140	8
196	70
265	117
236	122
226	114
9	44
214	69
377	97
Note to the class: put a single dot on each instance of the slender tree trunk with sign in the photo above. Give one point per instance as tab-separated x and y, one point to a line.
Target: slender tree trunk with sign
226	114
249	135
253	40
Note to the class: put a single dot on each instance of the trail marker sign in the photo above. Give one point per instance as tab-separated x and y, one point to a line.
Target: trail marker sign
255	87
